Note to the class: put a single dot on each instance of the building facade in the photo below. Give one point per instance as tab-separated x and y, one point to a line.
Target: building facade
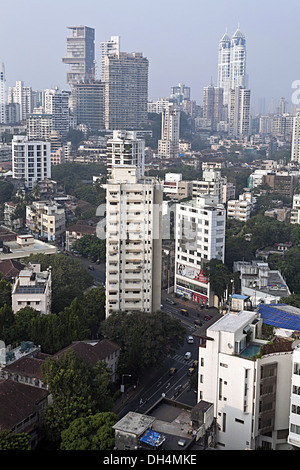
110	47
133	242
30	160
124	148
295	154
46	220
2	93
57	105
88	104
80	54
239	112
200	237
168	145
126	90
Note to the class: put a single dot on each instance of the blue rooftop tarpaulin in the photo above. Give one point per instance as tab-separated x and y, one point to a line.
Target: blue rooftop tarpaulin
152	438
280	315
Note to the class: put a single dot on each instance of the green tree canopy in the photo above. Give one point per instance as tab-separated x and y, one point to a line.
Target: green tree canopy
94	432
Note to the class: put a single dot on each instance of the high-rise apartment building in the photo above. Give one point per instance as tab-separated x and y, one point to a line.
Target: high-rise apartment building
168	145
239	112
124	148
30	160
57	104
133	241
112	46
180	93
88	104
24	96
39	126
232	63
80	54
200	237
126	90
2	94
295	154
213	108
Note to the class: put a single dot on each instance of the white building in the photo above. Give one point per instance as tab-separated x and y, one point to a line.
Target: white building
133	241
295	154
32	288
46	220
200	237
30	160
295	212
2	93
250	394
239	112
211	183
24	96
57	105
124	148
112	46
240	208
168	145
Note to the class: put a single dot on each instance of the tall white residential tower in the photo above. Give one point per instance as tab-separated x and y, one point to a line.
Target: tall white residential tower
295	154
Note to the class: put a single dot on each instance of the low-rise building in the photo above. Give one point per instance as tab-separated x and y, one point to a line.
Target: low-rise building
46	220
32	288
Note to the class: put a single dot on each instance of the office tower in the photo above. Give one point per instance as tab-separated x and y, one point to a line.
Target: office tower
80	54
88	104
124	148
2	94
295	154
30	160
180	93
168	145
24	96
57	104
200	237
232	63
239	112
213	108
133	241
126	90
107	48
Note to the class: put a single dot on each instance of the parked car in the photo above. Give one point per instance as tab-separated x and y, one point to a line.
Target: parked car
207	317
170	301
190	339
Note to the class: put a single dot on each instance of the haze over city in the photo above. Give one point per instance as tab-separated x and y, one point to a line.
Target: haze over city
179	39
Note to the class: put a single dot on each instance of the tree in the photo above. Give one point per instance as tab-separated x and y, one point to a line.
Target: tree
91	245
94	432
146	339
219	277
78	389
12	441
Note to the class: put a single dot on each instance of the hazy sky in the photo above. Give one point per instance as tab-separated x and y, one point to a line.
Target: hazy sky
180	39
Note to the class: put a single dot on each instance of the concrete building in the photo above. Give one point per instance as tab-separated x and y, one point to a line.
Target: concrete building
88	104
239	112
250	392
24	96
240	208
110	47
46	220
125	148
213	108
175	188
211	183
57	104
260	283
133	241
2	94
39	126
126	90
180	93
200	237
168	145
32	288
30	160
80	54
295	212
295	154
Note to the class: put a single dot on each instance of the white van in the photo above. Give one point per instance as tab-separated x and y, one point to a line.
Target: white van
187	356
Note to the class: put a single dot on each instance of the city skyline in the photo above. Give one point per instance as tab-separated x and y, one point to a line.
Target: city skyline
184	52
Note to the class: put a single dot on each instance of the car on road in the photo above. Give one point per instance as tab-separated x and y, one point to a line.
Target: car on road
184	312
191	371
190	339
187	355
172	371
170	301
195	364
197	323
207	317
91	267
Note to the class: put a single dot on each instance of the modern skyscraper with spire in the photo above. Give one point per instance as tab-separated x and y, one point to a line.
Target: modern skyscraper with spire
232	63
